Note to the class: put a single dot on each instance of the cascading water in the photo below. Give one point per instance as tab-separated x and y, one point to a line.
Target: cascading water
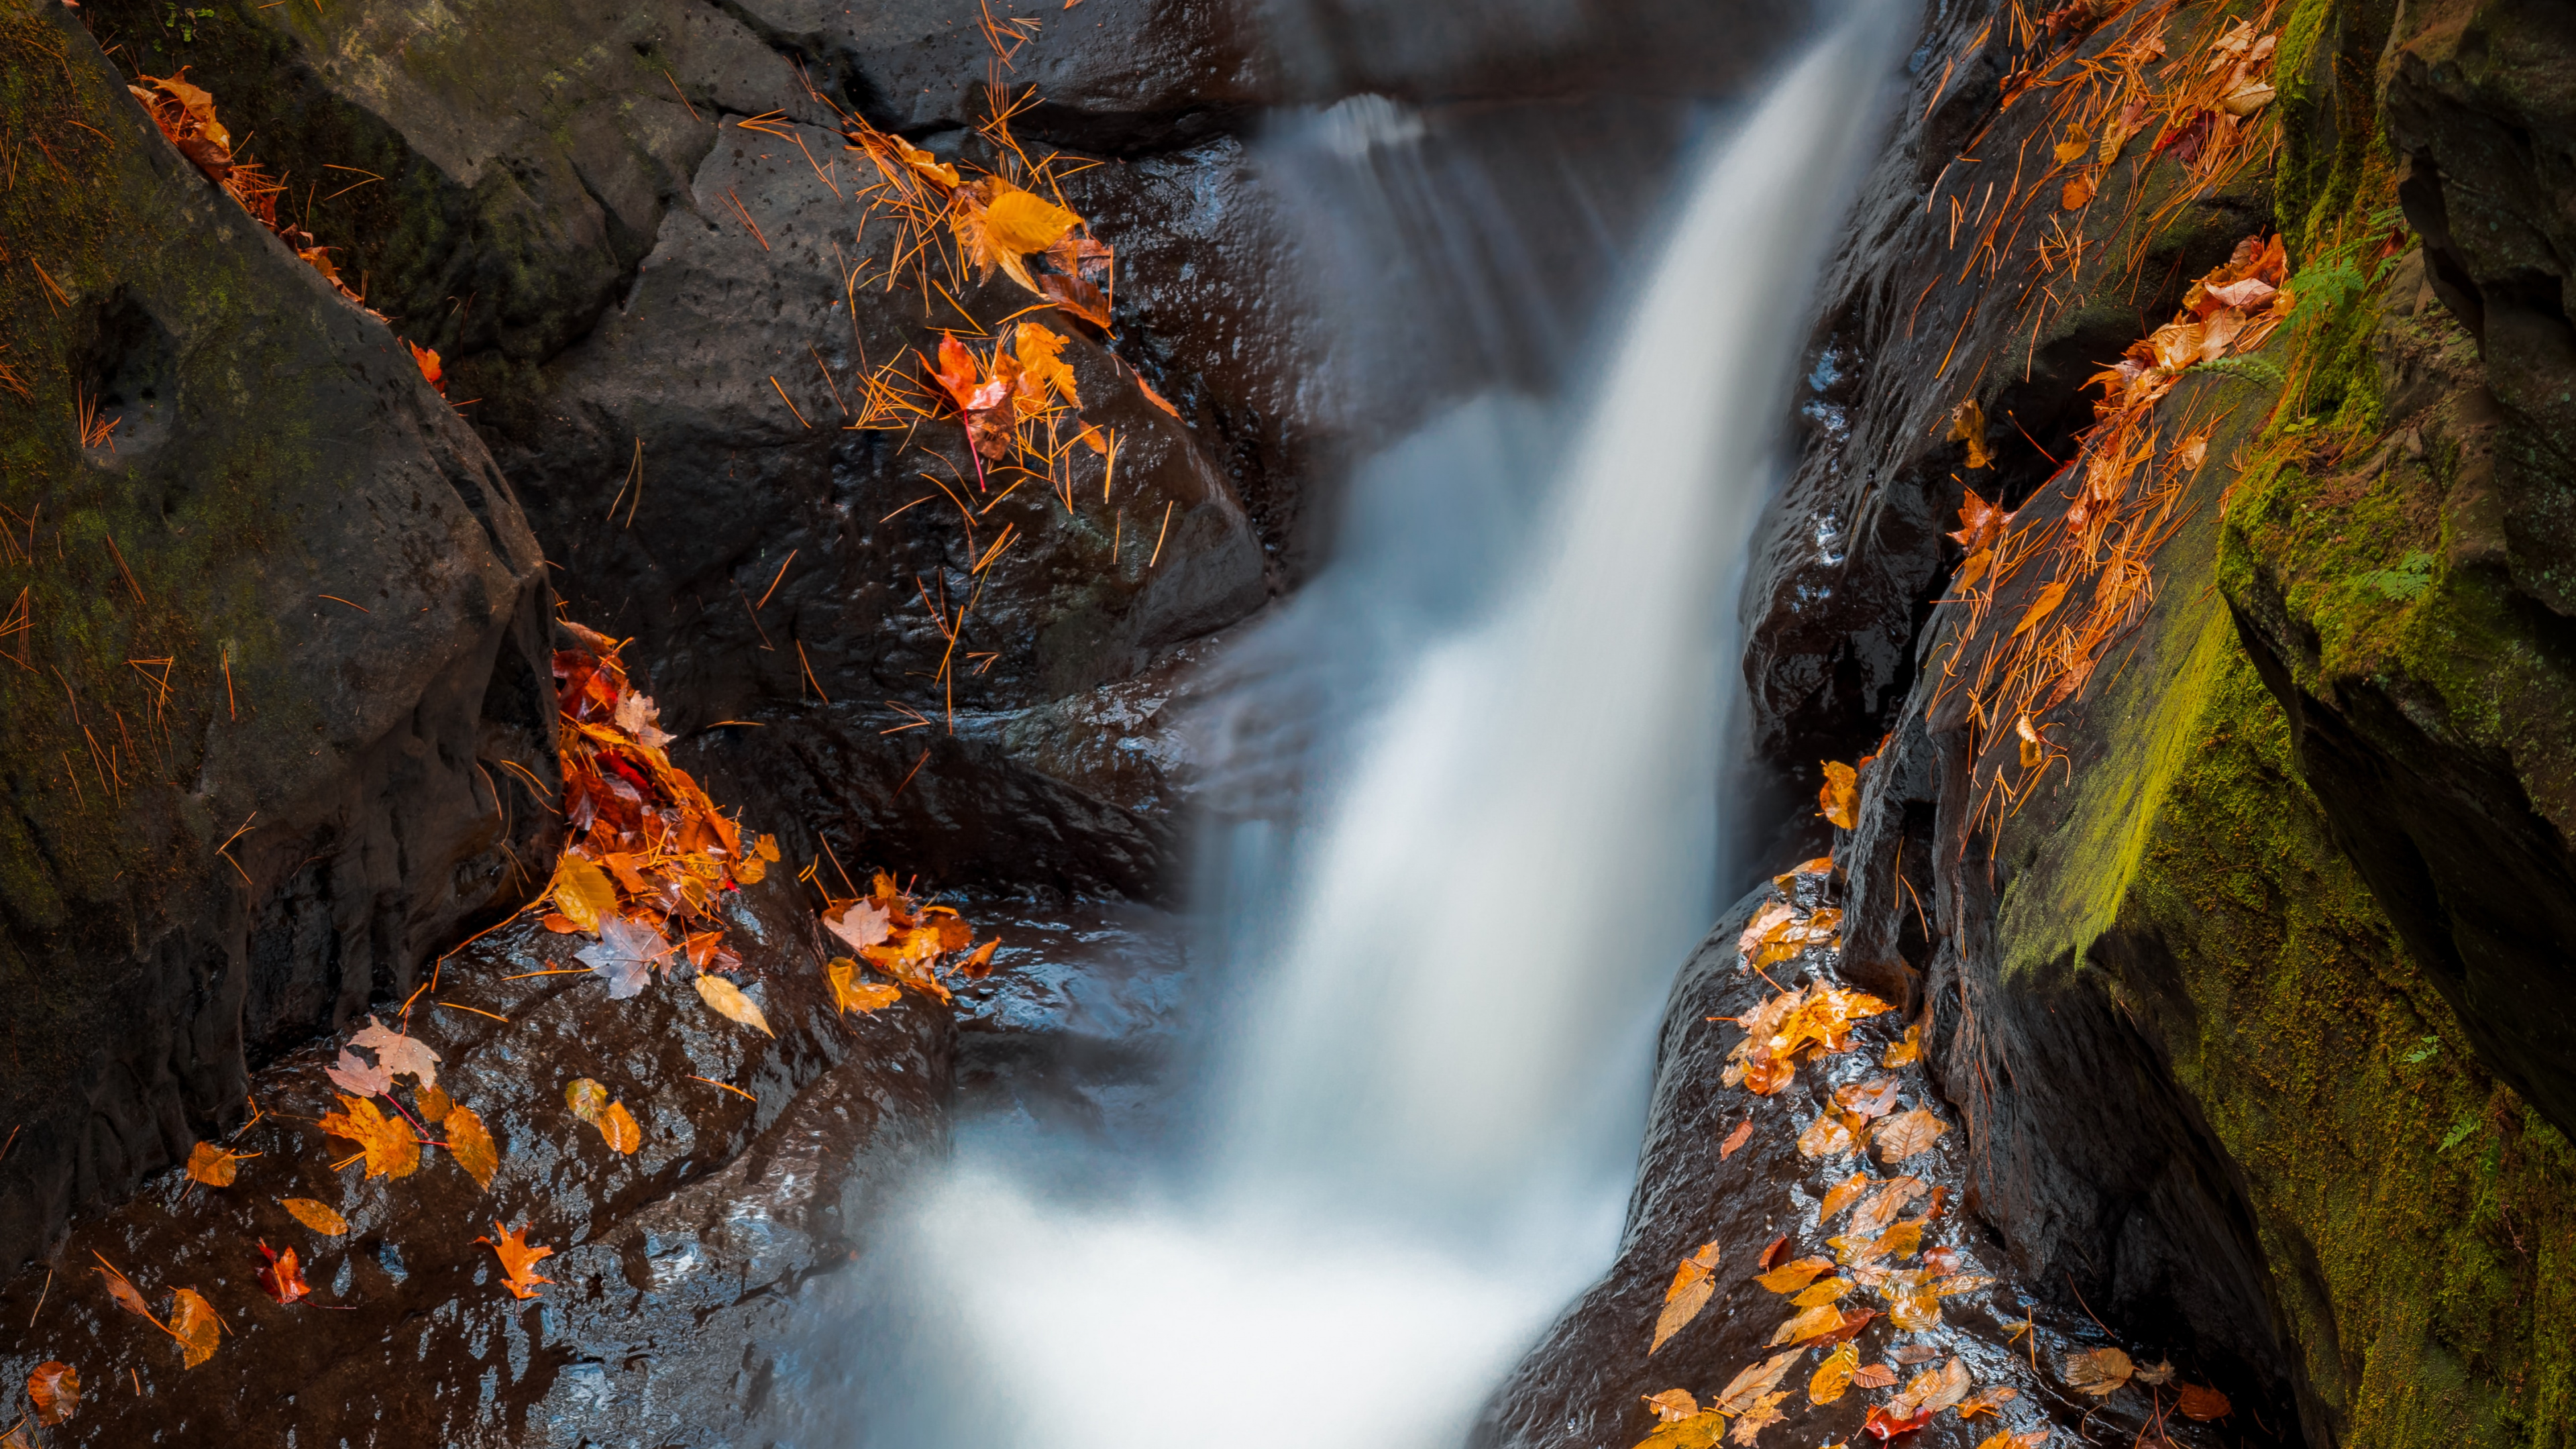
1425	1107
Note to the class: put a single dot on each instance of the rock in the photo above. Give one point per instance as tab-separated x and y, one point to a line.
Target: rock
282	663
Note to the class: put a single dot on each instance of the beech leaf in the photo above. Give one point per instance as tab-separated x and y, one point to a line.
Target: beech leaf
1700	1431
1932	1390
617	1127
727	1000
54	1388
586	1098
1692	1287
212	1165
1809	1323
1908	1133
2203	1404
1841	1195
1755	1381
1825	1137
194	1324
321	1217
432	1103
472	1146
2099	1372
1791	1277
1834	1375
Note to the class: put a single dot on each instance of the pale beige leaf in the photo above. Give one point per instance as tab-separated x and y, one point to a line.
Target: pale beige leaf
1907	1133
2099	1372
728	1001
1754	1381
1680	1309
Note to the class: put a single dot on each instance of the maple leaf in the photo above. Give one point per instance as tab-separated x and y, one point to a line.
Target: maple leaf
54	1388
321	1217
427	358
518	1258
1839	800
727	1000
861	923
212	1165
624	955
2099	1372
581	892
851	994
1759	1415
392	1150
1753	1382
353	1073
1672	1405
1691	1289
1736	1139
1834	1375
1968	425
2202	1404
280	1278
1791	1277
397	1054
193	1322
470	1143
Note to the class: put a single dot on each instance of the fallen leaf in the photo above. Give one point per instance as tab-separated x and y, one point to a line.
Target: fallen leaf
861	923
979	963
2073	196
518	1258
2010	1440
2049	598
212	1165
280	1278
2202	1404
1809	1323
1692	1287
1791	1277
1970	1283
472	1146
1908	1133
194	1324
1931	1391
1753	1382
54	1388
353	1073
1772	1254
321	1217
1824	1290
1759	1415
1883	1425
617	1128
851	994
1910	1049
1915	1308
1152	396
727	1000
1899	1239
1988	1401
2033	748
586	1098
1672	1405
2099	1372
1841	1195
1834	1375
2159	1376
1968	425
624	955
1742	1134
427	358
399	1055
432	1103
1825	1137
1913	1353
391	1149
1874	1376
1839	800
1868	1100
2248	98
582	892
1700	1431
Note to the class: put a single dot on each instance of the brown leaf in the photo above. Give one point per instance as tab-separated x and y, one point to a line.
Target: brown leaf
1886	1203
1759	1415
54	1388
2076	193
212	1165
2202	1404
1742	1134
399	1055
1680	1309
1914	1308
321	1217
979	964
391	1149
2099	1372
1755	1381
1825	1137
1988	1401
1791	1277
1868	1100
194	1324
1839	800
1874	1376
472	1146
1968	425
1908	1133
1771	1255
432	1103
518	1258
1834	1375
1932	1390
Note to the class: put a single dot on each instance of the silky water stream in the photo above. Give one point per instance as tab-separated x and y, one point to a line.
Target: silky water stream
1418	1100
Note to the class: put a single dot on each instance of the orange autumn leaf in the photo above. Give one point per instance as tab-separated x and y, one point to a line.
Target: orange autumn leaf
194	1323
2010	1440
2076	193
617	1128
1908	1049
390	1147
1791	1277
1152	396
280	1278
1834	1375
1839	800
1809	1323
851	994
1827	1136
1874	1376
586	1098
1824	1290
582	892
54	1389
427	358
471	1144
2100	1372
518	1258
1753	1382
1841	1195
1932	1390
1691	1289
321	1217
1671	1406
1735	1140
1704	1430
212	1165
1907	1133
433	1104
2202	1404
1968	425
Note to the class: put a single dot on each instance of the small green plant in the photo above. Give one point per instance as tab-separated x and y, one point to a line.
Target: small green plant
2412	576
2431	1048
2466	1129
183	20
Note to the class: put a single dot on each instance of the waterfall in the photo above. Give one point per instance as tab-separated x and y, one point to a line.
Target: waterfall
1426	1104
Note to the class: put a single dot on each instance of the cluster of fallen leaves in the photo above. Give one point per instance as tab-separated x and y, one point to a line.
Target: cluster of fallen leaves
906	940
2102	1372
2098	552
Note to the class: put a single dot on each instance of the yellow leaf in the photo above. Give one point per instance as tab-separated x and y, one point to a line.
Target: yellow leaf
1915	1308
1835	1374
2076	193
1680	1309
1968	425
212	1165
1809	1323
2048	599
1839	800
1840	1196
582	892
1761	1414
392	1150
728	1001
1908	1050
1023	222
472	1146
1699	1431
1791	1277
1823	1292
193	1323
1672	1405
1040	352
851	994
1907	1133
617	1126
586	1098
1899	1240
433	1104
1825	1137
321	1217
1932	1390
1886	1203
1692	1269
1755	1381
2010	1440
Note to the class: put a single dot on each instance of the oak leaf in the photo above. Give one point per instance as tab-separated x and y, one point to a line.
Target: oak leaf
1839	800
518	1258
391	1149
321	1217
851	994
471	1144
727	1000
624	955
280	1278
1834	1375
2201	1403
1908	1133
399	1055
2099	1372
194	1324
54	1388
582	892
212	1165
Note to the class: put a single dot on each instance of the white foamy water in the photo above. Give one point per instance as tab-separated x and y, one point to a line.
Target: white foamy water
1427	1106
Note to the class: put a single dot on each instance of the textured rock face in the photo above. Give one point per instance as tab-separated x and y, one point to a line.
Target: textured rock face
276	653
